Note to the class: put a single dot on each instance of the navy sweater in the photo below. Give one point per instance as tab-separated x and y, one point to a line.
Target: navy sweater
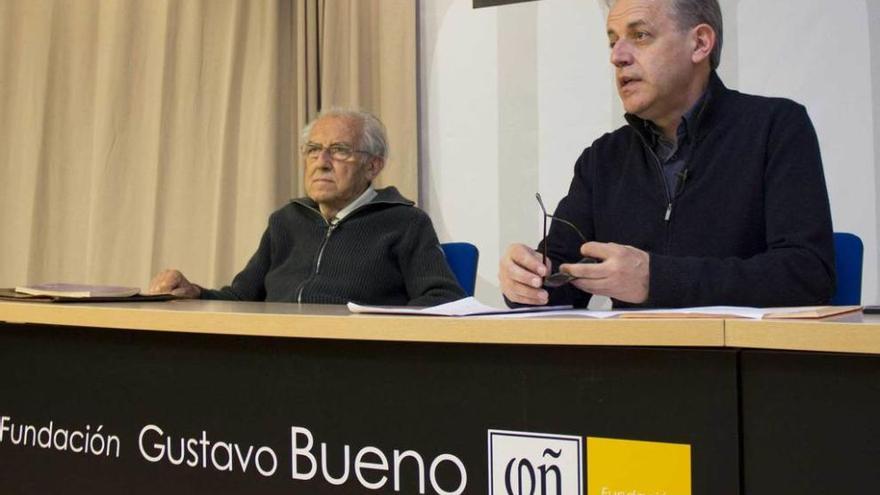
384	252
749	225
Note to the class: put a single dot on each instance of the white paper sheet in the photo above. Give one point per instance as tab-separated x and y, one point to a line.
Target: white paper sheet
558	313
467	306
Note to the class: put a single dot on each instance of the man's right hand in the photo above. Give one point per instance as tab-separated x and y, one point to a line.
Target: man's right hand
173	282
521	274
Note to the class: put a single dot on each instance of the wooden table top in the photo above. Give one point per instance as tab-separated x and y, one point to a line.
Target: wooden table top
854	332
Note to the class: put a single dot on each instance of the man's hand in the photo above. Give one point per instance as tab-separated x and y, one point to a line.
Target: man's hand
173	282
522	275
623	273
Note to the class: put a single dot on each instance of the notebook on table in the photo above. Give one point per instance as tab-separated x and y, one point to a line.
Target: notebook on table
62	292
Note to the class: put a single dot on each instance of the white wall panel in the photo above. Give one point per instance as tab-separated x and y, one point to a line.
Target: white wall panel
459	127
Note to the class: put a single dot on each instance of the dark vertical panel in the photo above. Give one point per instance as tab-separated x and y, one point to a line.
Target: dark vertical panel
811	422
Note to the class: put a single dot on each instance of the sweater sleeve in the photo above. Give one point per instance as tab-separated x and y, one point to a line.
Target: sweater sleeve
798	266
249	284
428	278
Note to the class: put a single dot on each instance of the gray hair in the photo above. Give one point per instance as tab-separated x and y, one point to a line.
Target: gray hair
373	137
690	13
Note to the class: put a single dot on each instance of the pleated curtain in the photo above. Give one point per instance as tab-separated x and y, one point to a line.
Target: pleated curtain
142	134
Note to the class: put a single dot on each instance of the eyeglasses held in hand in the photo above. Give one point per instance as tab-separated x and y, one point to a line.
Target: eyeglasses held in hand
338	151
559	279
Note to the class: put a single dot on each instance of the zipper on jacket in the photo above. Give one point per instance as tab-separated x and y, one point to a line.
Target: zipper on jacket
667	216
330	228
323	245
659	167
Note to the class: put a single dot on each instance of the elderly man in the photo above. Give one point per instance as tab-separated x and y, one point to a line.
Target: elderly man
345	241
707	197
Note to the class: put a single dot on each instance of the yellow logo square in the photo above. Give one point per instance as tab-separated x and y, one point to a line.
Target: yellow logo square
633	467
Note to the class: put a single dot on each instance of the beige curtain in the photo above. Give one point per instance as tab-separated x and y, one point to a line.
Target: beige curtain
139	134
368	60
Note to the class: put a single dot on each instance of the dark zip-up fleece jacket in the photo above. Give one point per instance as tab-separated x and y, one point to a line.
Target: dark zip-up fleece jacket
749	225
385	252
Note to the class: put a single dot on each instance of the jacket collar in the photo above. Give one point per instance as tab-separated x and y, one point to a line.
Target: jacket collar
385	196
365	197
702	116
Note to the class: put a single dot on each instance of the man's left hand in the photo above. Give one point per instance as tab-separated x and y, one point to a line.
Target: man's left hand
622	273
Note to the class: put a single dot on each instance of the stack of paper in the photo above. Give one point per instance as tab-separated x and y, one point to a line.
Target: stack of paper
469	306
77	290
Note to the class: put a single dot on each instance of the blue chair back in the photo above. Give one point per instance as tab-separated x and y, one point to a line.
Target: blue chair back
848	255
463	258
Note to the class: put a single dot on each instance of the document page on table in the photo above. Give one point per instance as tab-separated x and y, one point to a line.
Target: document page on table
467	306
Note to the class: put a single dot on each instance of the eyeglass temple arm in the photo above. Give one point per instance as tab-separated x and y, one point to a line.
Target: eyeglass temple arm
566	222
544	211
541	203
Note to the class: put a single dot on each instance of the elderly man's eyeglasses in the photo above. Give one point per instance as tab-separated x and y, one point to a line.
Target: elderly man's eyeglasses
559	279
338	151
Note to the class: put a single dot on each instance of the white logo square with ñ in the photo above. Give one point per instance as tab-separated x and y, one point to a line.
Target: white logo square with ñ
526	463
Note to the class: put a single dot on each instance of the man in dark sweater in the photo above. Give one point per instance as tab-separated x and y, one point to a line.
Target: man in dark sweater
345	241
707	197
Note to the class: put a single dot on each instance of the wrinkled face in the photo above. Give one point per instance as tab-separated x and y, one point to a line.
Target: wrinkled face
652	57
332	182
